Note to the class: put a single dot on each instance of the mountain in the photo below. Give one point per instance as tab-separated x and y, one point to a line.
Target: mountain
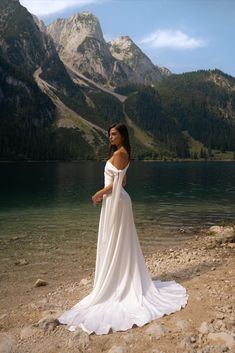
22	104
80	44
37	94
53	109
203	103
191	114
137	66
25	47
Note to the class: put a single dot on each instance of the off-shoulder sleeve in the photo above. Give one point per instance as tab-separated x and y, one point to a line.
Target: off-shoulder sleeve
116	191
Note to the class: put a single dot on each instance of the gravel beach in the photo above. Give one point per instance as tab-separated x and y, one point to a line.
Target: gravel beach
37	286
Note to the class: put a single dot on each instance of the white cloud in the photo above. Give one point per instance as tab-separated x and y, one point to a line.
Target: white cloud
46	7
175	39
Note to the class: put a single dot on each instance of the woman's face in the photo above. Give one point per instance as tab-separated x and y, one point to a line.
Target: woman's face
115	137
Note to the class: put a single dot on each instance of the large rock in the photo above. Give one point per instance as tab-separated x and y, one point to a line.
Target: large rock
222	338
223	234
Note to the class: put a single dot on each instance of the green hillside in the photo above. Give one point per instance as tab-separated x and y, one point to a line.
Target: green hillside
192	115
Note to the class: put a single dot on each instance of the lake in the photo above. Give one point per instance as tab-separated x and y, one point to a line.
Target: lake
171	200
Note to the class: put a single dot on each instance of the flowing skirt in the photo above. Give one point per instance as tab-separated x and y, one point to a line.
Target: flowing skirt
123	292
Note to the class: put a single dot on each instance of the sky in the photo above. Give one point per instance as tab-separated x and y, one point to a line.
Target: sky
182	35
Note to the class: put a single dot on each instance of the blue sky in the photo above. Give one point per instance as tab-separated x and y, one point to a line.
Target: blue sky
182	35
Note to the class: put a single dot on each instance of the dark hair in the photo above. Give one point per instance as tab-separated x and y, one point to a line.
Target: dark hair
122	129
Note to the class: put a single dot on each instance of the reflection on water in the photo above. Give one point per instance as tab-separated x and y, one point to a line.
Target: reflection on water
52	200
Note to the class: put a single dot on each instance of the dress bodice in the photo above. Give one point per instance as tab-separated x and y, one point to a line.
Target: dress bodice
110	171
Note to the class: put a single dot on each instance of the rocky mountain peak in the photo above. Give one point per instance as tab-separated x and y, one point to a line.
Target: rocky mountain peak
87	25
85	16
80	44
70	33
123	48
124	41
126	51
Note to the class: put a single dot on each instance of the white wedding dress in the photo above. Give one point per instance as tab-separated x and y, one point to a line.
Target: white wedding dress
123	292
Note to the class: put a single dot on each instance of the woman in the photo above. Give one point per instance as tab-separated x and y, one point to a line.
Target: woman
123	293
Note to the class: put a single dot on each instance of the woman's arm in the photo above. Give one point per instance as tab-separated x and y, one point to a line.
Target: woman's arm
98	196
120	161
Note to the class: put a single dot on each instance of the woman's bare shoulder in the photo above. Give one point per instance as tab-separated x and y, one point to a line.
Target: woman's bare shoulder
120	159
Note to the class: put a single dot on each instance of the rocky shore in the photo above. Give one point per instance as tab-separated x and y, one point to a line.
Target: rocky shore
205	265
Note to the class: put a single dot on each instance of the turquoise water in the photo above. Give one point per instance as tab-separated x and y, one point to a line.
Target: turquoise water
52	200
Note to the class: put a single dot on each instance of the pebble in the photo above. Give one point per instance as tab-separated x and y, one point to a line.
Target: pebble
79	340
193	339
184	344
204	328
231	245
156	330
130	338
40	283
183	325
229	326
220	316
84	282
3	316
199	298
48	324
14	238
117	349
27	332
21	262
219	325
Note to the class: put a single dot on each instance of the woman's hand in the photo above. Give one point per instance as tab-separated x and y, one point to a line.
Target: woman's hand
96	198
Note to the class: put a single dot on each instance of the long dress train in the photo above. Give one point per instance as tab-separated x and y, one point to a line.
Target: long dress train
123	292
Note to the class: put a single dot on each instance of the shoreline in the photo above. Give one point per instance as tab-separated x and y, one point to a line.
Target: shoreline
132	160
204	265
